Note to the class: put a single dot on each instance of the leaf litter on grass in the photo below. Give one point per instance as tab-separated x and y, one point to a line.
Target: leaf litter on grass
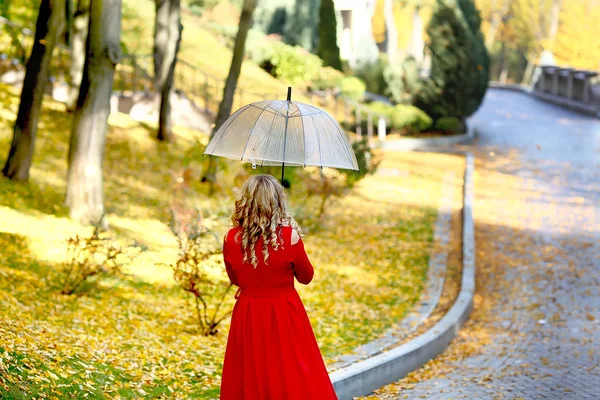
133	336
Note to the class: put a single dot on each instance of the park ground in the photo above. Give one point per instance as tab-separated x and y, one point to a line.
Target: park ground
133	335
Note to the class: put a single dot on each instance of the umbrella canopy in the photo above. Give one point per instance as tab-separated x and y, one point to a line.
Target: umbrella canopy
283	133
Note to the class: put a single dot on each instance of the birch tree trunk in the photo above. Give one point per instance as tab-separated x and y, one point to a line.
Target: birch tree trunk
417	44
49	28
494	25
78	39
236	63
391	33
86	147
232	78
161	37
167	68
554	22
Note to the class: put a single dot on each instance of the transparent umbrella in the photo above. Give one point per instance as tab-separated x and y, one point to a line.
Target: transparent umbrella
283	133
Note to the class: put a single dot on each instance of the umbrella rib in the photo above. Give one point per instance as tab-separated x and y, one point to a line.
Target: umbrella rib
269	111
304	136
252	133
268	138
318	141
343	135
269	135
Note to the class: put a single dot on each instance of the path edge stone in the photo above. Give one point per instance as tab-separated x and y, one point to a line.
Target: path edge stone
363	377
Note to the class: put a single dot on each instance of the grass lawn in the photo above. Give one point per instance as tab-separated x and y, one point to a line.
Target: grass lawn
134	336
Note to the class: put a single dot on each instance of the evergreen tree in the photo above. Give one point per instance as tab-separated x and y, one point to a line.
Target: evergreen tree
459	62
295	20
328	49
480	53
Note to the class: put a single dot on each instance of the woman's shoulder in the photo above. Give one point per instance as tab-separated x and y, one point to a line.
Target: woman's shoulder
290	234
232	234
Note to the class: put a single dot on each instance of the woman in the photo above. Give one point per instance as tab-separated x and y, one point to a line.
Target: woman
271	351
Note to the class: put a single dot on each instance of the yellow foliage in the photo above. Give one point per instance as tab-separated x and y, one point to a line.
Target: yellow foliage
378	22
578	40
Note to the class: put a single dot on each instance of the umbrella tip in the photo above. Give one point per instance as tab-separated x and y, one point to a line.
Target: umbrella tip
289	96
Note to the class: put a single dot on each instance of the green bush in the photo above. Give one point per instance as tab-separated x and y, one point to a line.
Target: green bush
382	109
402	81
292	64
373	76
367	163
198	7
450	124
410	119
401	117
328	78
352	87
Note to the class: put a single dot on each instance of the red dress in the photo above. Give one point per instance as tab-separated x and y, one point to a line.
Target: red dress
272	353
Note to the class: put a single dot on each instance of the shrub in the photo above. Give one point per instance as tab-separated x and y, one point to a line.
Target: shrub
199	271
373	76
450	124
367	164
328	78
321	187
90	257
410	119
352	87
459	62
381	108
402	81
198	7
289	63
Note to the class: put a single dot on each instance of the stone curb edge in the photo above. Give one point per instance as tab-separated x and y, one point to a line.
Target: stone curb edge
361	378
407	144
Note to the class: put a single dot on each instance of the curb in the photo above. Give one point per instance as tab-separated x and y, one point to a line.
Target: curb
407	144
361	378
515	87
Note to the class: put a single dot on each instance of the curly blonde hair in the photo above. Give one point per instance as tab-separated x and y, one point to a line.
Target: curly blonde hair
259	211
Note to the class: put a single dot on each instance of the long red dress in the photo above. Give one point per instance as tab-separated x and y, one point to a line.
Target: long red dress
272	353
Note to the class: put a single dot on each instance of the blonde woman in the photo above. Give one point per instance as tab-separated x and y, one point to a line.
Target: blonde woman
271	351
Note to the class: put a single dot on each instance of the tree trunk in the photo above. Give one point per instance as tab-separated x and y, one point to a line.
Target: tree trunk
498	17
416	38
391	32
236	64
554	22
503	65
86	147
528	70
232	78
49	27
78	38
161	38
167	71
495	21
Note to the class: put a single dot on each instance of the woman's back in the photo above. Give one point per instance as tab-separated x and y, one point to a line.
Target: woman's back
283	264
